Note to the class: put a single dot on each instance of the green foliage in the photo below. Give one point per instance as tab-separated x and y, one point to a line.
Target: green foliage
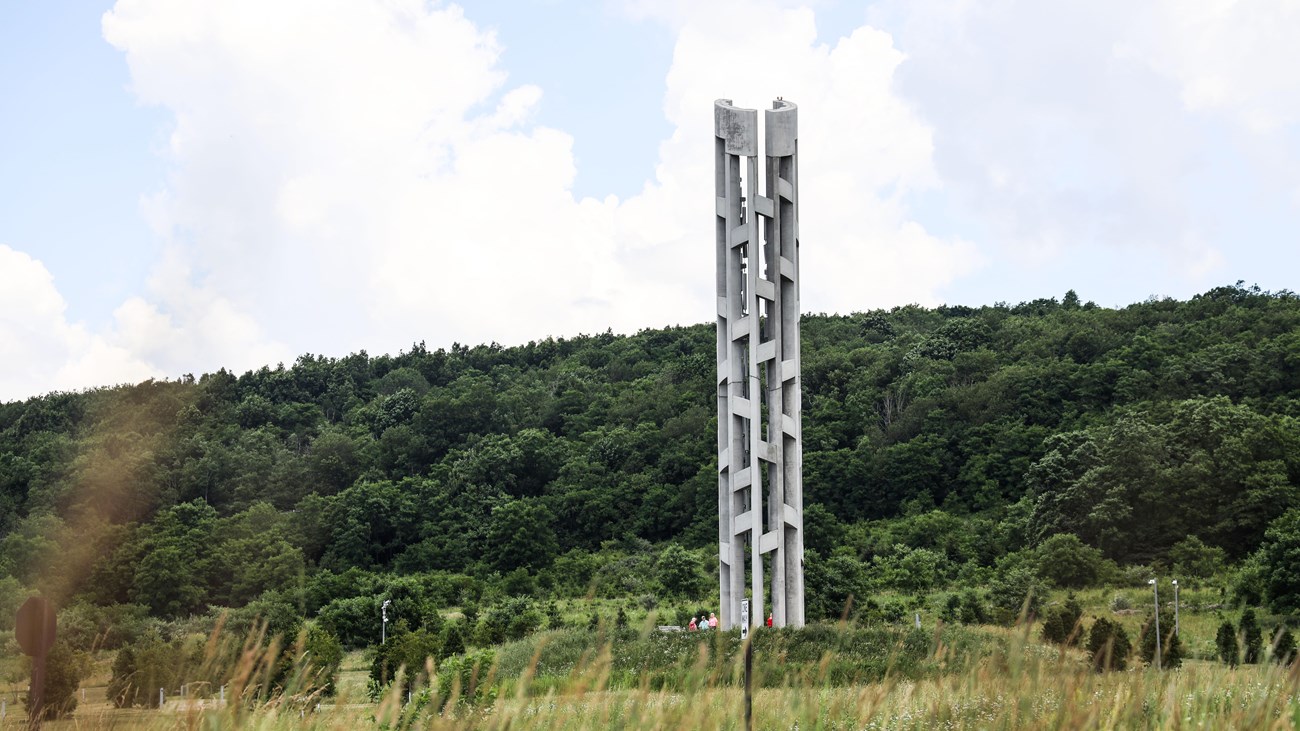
465	679
1064	561
453	638
88	627
270	616
64	669
1284	647
1112	484
509	619
1108	645
833	585
122	690
407	655
521	534
1226	645
1015	593
911	570
678	571
1252	638
12	596
1171	646
965	607
140	669
824	654
1061	625
554	620
1248	581
1192	558
322	654
1279	563
936	442
355	621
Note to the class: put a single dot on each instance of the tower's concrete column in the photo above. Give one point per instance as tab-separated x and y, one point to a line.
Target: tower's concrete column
760	459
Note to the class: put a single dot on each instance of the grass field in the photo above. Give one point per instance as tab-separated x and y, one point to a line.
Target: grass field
1028	690
964	678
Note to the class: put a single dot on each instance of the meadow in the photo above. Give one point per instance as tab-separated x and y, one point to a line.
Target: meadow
826	676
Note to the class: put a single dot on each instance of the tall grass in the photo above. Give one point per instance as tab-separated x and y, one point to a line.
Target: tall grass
1001	680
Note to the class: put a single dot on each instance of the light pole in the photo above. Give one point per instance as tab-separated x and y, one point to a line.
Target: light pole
1175	607
1155	590
383	630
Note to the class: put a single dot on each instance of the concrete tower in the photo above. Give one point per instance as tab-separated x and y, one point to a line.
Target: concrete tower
760	455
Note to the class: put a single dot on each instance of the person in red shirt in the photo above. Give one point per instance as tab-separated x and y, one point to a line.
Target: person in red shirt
769	619
691	627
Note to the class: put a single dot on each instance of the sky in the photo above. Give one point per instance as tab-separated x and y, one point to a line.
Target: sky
188	185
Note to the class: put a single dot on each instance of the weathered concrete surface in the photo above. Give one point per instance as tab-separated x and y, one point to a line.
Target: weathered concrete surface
760	457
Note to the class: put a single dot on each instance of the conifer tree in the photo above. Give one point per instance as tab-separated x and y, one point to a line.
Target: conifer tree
1252	639
1226	643
1109	645
1284	650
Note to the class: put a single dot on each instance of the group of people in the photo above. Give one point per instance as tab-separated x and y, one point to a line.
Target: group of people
711	622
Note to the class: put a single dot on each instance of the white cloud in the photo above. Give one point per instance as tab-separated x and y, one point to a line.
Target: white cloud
1237	57
360	175
43	351
1100	125
861	151
352	174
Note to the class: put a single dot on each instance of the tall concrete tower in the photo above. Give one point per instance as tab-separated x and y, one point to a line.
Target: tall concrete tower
760	455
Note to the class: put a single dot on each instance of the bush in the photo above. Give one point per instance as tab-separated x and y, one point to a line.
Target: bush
1248	582
279	617
64	669
1278	559
404	649
122	692
466	678
911	569
1109	646
1015	593
1120	602
971	608
1171	647
509	619
554	620
1066	561
89	627
139	670
1252	639
1284	649
1225	642
1061	625
834	585
1191	557
1135	576
820	654
453	638
678	571
355	621
322	653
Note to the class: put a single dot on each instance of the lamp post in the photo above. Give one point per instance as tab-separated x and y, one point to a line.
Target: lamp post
383	630
1155	590
1175	607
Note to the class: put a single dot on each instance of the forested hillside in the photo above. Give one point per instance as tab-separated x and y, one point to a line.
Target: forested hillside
940	444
